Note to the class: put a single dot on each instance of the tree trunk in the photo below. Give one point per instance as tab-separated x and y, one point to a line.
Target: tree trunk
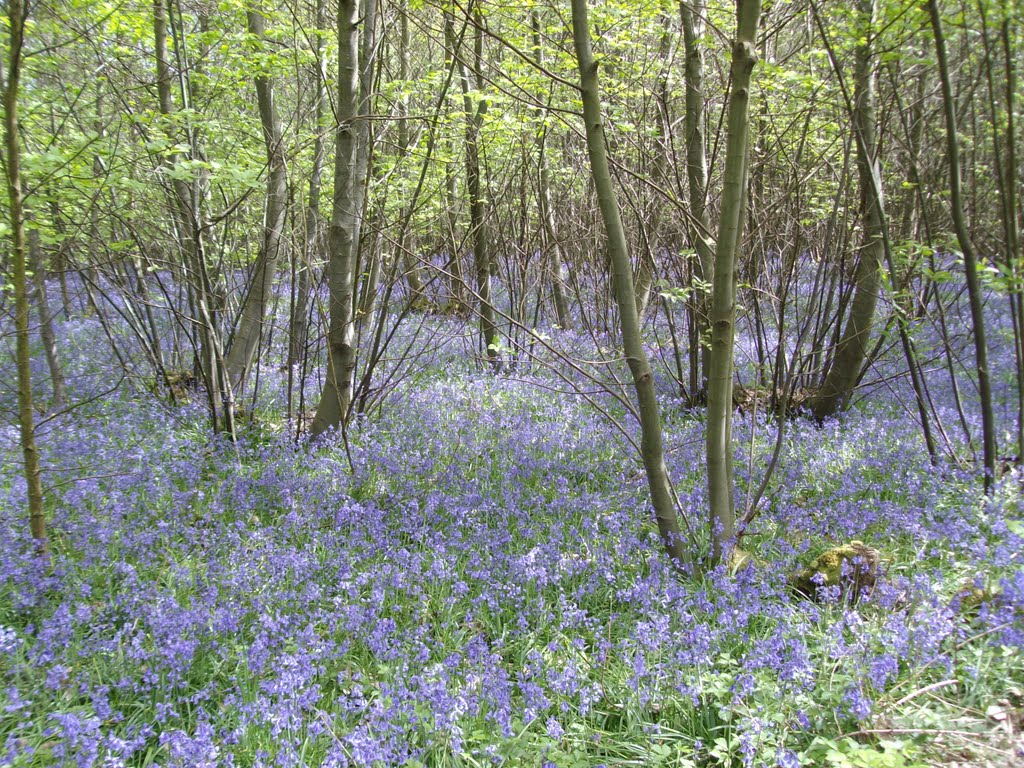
692	15
842	376
474	185
301	277
46	330
651	445
456	280
351	147
1004	139
406	245
723	299
187	214
1014	254
988	426
257	297
547	217
16	16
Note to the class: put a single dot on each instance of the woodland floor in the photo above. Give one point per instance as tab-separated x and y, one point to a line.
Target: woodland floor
473	578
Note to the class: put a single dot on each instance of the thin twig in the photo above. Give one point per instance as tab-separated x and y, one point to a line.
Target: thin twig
909	731
926	689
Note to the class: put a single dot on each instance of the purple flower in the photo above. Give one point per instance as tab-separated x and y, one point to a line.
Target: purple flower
9	640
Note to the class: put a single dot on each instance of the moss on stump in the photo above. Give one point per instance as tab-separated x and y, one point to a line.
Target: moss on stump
854	568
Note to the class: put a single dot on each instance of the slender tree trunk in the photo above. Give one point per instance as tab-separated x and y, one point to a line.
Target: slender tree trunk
547	216
97	253
337	394
697	178
141	290
1013	239
988	426
61	266
658	232
350	166
851	351
456	280
367	262
651	445
187	214
723	299
910	217
298	324
298	331
475	186
644	282
46	330
257	297
370	274
1006	182
406	244
16	16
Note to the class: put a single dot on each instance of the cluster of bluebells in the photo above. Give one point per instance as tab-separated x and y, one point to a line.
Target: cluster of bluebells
475	574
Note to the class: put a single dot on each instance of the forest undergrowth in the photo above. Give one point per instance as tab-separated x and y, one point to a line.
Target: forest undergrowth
472	577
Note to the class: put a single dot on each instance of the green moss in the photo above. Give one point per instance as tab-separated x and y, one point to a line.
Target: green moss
853	567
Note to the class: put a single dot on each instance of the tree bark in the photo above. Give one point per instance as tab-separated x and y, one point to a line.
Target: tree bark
16	16
351	147
988	426
1004	139
873	214
257	297
187	214
406	245
547	216
651	444
697	178
723	299
1014	253
46	330
301	273
842	376
475	187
